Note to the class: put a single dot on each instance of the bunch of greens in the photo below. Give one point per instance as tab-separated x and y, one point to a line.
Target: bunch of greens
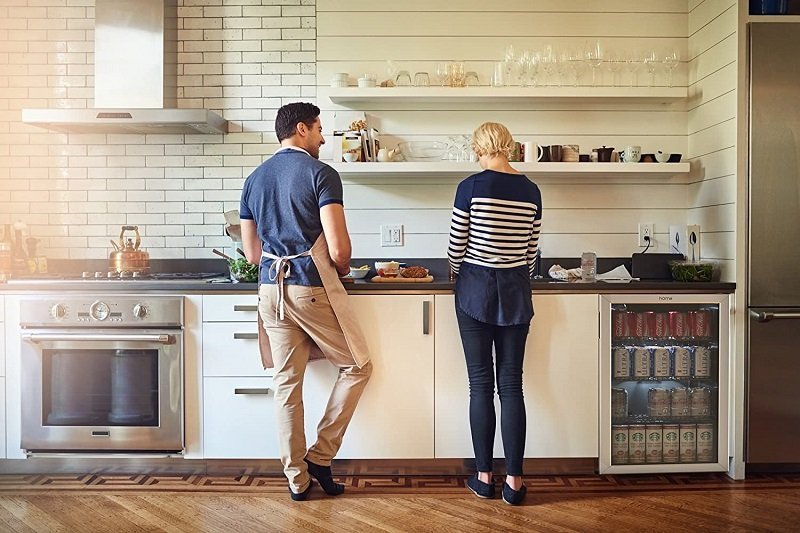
687	271
242	270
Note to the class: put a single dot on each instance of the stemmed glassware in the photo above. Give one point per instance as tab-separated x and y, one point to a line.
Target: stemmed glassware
650	62
632	67
671	61
442	76
593	54
615	64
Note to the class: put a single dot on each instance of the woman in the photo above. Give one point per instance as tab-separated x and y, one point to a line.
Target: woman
494	235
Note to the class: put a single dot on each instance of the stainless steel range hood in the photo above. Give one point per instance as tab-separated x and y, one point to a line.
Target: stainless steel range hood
135	77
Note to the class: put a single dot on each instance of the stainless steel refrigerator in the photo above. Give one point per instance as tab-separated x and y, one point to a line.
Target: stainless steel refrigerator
773	297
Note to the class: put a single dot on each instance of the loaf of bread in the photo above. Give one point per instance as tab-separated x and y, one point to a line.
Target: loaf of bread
414	272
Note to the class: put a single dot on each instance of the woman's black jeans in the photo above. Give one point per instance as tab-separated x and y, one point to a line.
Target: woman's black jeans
509	347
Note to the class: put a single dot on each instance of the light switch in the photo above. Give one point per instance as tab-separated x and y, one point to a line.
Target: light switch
392	235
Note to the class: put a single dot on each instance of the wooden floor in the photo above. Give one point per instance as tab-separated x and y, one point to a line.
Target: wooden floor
196	503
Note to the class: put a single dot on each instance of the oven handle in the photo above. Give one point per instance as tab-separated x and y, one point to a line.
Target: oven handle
89	337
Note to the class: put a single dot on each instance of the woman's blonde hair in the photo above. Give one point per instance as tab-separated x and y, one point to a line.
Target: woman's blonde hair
492	138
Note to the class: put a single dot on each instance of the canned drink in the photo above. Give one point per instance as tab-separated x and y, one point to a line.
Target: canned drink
671	443
660	326
619	325
622	362
688	434
662	362
619	403
700	324
650	323
654	447
705	443
658	403
702	362
619	445
637	447
637	326
682	361
700	401
679	402
678	327
641	362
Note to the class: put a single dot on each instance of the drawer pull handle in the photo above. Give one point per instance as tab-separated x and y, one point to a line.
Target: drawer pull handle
246	308
426	318
245	336
262	392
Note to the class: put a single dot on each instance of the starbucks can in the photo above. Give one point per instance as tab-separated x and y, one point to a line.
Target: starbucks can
619	403
654	436
658	404
671	443
641	362
622	362
679	402
700	401
619	445
705	443
637	449
688	436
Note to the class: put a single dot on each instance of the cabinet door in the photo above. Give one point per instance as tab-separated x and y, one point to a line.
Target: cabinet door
2	418
559	380
394	419
239	418
231	349
230	308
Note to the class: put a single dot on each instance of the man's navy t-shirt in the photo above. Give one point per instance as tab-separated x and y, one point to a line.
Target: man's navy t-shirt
283	196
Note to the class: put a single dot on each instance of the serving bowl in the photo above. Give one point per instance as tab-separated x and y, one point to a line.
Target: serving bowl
359	272
691	271
423	150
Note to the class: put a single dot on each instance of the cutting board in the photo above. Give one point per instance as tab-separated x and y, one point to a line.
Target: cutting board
378	279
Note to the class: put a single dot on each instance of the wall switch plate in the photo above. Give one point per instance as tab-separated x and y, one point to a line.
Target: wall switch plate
646	230
678	239
693	242
392	235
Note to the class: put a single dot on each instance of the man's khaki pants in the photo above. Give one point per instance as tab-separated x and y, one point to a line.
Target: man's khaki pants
308	318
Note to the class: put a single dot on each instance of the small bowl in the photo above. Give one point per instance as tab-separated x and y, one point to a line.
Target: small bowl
674	158
358	273
423	150
387	269
662	157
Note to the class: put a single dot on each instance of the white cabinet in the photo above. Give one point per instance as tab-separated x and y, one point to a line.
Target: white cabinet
560	380
2	418
231	349
3	342
230	308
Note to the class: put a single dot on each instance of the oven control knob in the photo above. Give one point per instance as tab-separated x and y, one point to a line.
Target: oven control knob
58	311
139	311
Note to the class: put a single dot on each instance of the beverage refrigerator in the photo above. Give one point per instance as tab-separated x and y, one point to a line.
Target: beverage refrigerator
664	383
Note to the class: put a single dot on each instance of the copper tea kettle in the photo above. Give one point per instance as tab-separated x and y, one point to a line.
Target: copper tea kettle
127	257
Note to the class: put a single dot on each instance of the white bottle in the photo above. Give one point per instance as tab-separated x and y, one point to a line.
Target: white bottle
588	266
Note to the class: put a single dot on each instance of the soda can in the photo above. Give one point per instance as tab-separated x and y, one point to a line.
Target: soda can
641	362
619	445
705	443
701	362
619	403
700	401
619	325
700	324
662	362
682	361
622	362
637	448
679	402
658	403
653	446
671	443
660	326
637	326
688	447
678	326
650	323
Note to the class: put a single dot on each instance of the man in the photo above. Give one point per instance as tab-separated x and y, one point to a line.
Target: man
293	225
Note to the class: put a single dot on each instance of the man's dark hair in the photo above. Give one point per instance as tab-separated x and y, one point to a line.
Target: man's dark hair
292	114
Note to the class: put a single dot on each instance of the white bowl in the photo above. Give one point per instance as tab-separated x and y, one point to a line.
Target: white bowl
662	157
423	150
358	273
387	269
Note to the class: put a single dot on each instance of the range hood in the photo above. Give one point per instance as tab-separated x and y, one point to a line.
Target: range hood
135	78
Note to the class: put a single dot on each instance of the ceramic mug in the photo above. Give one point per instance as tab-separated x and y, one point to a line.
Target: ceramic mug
632	154
555	153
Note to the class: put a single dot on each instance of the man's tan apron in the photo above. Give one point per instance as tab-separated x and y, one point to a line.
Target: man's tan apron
337	296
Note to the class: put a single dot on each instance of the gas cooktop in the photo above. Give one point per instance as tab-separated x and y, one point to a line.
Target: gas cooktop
116	277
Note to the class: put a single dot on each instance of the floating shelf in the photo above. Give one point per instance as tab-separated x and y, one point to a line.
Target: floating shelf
448	169
774	18
356	95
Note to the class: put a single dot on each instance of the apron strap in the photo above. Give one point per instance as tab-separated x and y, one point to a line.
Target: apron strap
281	268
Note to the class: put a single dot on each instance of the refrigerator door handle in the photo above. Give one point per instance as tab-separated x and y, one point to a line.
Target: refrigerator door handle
766	316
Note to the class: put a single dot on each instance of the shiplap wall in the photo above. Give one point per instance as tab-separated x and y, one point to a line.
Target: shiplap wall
358	36
712	128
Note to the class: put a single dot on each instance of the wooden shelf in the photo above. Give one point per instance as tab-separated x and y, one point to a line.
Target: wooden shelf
774	18
448	169
350	96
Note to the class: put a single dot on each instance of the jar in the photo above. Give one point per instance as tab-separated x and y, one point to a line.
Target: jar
5	261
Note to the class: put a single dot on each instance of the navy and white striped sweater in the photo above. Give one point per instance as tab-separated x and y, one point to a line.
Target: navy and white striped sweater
496	222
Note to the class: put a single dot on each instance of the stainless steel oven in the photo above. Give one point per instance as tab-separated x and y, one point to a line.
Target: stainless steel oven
102	374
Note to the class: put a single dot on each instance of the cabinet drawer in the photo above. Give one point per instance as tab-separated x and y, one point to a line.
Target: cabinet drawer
239	419
231	349
230	308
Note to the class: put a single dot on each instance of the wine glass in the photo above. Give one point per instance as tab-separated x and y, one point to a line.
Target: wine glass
548	64
671	61
650	62
632	66
593	54
442	76
615	64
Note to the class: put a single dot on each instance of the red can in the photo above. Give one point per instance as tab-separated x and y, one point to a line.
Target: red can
619	325
637	325
660	326
700	324
678	325
650	322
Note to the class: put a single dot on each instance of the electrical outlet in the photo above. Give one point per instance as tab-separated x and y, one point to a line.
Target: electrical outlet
392	235
646	230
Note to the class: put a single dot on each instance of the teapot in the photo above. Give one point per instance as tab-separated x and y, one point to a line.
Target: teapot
386	155
127	257
604	154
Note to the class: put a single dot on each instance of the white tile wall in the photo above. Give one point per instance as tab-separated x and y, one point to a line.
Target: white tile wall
245	58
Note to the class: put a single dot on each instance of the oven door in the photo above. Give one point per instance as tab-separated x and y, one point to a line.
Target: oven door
102	390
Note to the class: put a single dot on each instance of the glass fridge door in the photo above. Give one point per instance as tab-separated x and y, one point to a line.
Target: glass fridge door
664	385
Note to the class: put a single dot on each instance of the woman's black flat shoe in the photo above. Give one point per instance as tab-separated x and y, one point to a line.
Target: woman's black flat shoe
514	497
481	489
